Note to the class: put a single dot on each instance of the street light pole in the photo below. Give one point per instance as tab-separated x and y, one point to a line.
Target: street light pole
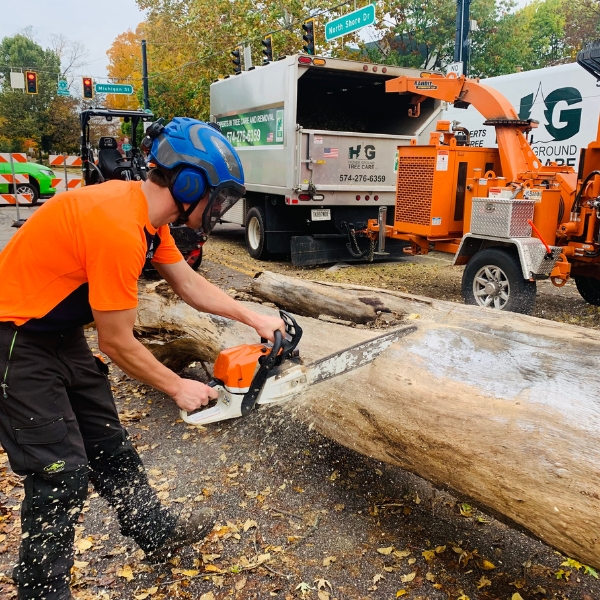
145	75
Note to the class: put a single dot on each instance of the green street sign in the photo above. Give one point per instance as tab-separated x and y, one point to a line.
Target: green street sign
350	22
113	88
63	92
63	85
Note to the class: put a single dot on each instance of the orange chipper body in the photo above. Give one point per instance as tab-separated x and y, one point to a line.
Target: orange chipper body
437	182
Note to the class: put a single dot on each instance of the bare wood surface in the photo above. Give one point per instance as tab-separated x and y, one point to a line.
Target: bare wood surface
502	408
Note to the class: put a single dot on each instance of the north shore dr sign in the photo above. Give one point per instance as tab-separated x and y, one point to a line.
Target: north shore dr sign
350	22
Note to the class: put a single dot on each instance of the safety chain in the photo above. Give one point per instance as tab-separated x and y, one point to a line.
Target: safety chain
369	254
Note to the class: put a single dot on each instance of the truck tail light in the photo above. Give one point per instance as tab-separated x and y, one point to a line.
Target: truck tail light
304	197
320	62
357	197
367	197
318	197
375	198
305	60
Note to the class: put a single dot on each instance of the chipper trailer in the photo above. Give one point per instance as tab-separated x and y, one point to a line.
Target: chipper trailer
503	214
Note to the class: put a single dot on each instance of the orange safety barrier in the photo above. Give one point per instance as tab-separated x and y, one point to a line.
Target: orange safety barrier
59	182
10	199
59	160
17	157
8	178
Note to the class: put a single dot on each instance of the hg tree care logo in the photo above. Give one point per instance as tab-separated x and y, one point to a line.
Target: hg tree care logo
561	123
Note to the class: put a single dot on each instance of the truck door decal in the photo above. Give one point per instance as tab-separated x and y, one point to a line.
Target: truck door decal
252	129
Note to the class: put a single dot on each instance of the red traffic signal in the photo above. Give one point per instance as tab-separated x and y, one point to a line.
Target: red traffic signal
88	87
31	86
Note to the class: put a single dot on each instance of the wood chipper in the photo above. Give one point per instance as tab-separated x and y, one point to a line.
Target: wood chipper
507	217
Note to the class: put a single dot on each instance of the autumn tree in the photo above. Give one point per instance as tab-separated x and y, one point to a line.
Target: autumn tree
125	66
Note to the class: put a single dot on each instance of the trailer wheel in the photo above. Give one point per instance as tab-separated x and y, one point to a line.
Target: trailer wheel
589	288
493	279
256	235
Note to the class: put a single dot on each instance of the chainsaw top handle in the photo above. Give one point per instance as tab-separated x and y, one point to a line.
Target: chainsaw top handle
282	349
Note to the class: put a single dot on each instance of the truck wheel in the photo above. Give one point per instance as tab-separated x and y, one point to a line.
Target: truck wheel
589	288
256	235
493	279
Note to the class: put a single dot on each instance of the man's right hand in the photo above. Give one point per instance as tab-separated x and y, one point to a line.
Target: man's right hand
194	394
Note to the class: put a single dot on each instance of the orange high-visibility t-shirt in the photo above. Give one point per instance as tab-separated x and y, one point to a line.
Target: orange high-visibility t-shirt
82	249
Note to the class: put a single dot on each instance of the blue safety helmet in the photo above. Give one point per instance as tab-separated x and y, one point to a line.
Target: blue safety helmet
196	157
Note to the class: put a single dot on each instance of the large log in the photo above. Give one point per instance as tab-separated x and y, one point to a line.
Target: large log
502	408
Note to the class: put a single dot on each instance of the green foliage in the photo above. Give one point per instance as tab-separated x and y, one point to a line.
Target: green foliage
45	118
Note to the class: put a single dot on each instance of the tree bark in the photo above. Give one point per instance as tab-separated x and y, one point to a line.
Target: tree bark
501	408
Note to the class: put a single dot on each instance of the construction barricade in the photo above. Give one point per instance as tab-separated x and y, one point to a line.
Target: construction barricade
14	179
64	184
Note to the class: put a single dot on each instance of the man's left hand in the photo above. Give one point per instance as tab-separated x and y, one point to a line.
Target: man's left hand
266	326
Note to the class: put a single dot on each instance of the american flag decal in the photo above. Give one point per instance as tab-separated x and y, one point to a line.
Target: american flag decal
270	137
330	153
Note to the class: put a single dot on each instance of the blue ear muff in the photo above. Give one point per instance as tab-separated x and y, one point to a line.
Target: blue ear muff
189	186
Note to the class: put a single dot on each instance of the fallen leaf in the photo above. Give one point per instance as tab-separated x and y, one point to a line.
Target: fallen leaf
440	549
328	560
323	595
83	544
408	578
402	553
207	596
430	576
517	596
483	582
428	555
249	524
126	572
240	584
401	593
486	565
378	577
186	572
385	551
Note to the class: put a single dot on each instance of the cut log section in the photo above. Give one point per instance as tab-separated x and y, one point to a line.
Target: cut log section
501	408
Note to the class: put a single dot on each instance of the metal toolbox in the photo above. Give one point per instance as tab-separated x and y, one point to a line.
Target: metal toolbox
501	217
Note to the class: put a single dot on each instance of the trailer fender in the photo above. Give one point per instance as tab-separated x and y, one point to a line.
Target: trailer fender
533	257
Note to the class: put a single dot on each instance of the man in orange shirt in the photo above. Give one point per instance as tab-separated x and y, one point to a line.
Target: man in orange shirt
58	420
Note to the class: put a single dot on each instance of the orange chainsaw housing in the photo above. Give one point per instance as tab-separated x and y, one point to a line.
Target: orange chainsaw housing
236	366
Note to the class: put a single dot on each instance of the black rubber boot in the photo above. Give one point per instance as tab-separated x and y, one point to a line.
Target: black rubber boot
118	476
48	514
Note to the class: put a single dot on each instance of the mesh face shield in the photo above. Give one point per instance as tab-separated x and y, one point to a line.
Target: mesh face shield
221	200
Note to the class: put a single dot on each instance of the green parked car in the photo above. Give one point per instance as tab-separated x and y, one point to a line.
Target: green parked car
40	180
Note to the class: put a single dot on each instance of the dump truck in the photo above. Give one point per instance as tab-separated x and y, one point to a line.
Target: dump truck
318	141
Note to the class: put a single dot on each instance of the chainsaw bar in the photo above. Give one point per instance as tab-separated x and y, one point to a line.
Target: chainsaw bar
355	356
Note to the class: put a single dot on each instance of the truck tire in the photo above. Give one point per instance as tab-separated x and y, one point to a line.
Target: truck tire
256	235
493	278
589	288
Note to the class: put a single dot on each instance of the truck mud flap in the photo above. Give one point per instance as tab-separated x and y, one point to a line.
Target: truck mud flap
307	250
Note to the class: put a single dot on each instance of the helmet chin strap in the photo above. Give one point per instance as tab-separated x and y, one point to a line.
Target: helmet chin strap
184	214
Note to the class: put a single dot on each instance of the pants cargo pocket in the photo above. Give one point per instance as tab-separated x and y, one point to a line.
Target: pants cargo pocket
45	448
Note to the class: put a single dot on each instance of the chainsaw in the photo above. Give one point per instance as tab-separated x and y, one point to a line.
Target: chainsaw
255	374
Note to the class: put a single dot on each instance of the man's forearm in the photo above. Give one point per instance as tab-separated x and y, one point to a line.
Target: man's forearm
206	297
138	362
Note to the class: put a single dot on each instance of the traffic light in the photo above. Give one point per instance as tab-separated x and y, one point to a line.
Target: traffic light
267	49
88	87
237	60
309	36
31	82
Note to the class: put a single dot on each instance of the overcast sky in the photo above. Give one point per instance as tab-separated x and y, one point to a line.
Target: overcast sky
95	23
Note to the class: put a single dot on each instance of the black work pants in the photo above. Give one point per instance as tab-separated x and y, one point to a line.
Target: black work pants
57	419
